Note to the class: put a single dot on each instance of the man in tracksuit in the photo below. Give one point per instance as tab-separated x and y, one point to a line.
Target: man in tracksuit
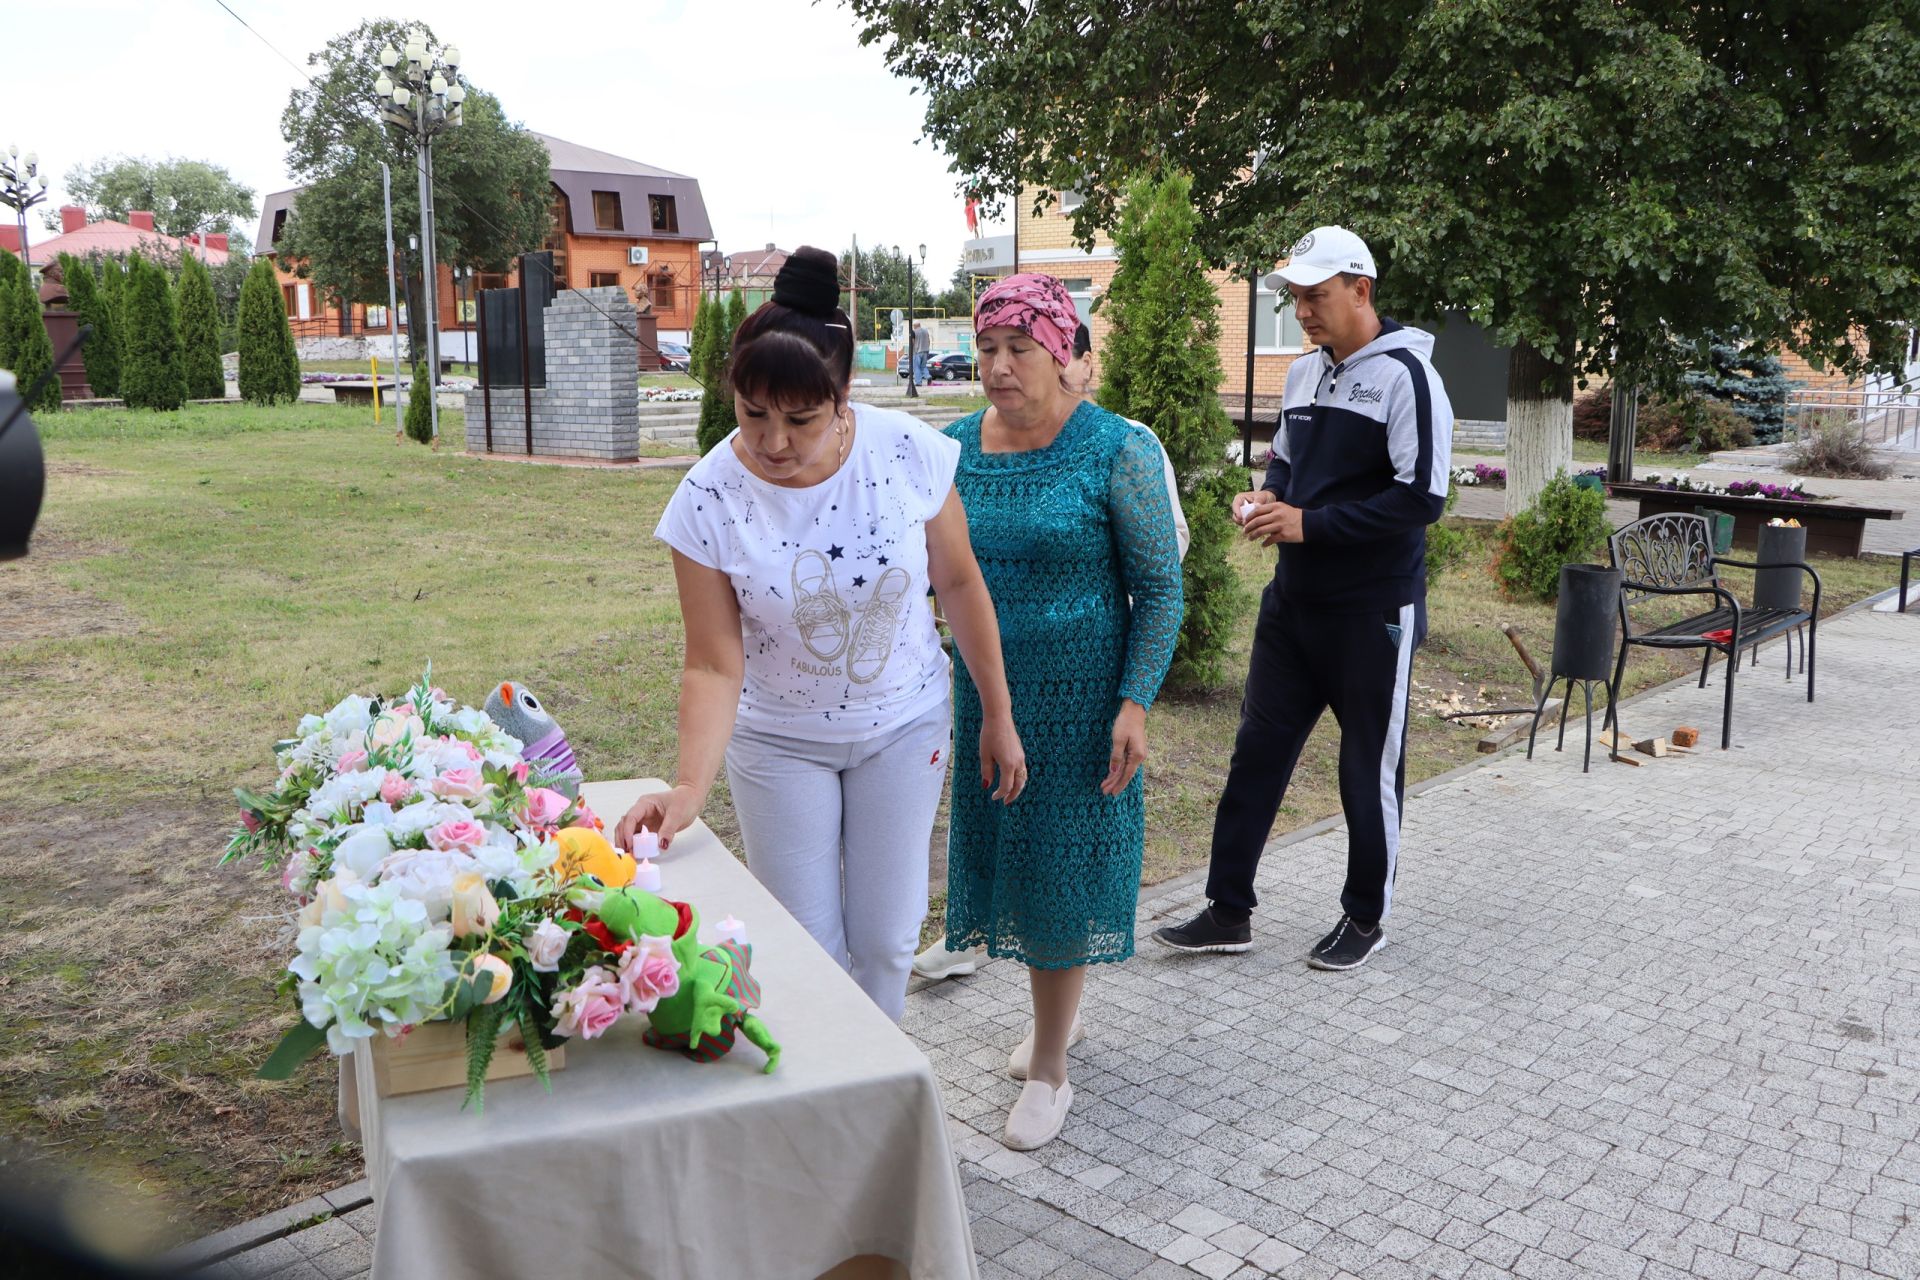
1361	461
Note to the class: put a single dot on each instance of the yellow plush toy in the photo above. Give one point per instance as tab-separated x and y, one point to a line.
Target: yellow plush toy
585	852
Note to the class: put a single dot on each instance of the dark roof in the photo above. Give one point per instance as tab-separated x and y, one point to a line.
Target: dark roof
579	172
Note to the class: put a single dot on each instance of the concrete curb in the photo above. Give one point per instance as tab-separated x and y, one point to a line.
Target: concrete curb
208	1250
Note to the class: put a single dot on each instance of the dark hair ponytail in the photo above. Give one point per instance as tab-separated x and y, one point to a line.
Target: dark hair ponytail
798	348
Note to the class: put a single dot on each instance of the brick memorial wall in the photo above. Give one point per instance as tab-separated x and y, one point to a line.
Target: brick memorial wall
590	407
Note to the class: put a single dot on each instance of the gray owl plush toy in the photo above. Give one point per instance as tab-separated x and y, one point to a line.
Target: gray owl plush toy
514	708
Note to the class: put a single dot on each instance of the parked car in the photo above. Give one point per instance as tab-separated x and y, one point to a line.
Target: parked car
948	366
673	356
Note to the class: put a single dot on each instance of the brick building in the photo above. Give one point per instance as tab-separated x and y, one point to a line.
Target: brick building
616	222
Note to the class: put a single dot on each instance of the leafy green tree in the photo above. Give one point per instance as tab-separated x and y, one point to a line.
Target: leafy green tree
184	196
200	333
882	280
24	345
707	361
492	191
154	375
419	420
102	346
113	292
1161	365
10	268
1750	379
269	364
101	354
1586	177
736	314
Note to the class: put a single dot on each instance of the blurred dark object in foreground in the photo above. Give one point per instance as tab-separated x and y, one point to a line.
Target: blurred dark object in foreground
23	476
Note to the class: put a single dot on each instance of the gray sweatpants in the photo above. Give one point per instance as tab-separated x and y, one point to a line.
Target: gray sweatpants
839	833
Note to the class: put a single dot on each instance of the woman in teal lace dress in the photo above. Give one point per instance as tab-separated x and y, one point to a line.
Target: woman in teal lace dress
1068	514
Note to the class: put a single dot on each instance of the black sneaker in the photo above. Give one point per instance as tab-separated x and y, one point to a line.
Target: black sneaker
1346	947
1206	932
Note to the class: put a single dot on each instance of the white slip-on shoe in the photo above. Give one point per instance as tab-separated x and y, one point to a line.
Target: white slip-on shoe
937	962
1039	1115
1022	1055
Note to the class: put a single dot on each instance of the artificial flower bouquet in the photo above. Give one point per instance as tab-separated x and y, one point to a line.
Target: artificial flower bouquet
439	877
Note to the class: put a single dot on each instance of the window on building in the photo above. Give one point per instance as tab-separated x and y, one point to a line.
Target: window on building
279	225
1071	200
376	317
603	280
1080	289
1276	330
606	211
665	216
557	238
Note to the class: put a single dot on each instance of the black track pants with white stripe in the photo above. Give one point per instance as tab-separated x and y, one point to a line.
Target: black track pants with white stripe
1304	663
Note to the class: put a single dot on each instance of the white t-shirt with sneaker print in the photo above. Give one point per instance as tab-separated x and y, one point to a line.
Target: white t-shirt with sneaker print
831	579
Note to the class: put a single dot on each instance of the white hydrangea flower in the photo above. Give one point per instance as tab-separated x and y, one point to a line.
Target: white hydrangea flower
426	876
470	721
373	962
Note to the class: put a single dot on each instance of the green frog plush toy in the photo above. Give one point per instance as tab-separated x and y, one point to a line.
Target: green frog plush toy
717	992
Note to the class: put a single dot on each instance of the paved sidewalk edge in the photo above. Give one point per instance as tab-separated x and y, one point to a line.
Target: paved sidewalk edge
208	1250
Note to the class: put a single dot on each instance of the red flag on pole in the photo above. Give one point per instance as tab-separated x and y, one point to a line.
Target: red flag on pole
973	216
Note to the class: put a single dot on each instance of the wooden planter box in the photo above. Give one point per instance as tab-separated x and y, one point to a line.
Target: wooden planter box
434	1056
1832	528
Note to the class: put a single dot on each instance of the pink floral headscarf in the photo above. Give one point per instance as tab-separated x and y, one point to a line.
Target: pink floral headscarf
1039	306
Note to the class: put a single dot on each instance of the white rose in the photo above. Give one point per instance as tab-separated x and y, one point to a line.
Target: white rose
545	945
363	851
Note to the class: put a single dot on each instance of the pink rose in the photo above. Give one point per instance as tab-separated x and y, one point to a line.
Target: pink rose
352	761
458	784
396	788
473	752
461	833
648	973
589	1008
520	771
586	818
544	806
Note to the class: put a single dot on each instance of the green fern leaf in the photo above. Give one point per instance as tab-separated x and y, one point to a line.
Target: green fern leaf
483	1027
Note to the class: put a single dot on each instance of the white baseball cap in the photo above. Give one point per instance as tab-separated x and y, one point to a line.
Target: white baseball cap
1320	255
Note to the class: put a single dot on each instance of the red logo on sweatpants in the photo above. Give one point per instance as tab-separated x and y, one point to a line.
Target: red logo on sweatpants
936	758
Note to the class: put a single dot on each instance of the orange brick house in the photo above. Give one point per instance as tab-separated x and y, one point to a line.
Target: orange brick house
615	222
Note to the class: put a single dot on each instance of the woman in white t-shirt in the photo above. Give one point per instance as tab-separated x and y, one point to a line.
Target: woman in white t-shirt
804	546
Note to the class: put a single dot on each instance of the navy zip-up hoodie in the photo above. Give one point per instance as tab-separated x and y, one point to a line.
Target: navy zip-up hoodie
1365	450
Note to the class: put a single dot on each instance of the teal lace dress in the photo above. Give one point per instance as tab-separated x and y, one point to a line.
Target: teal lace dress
1065	535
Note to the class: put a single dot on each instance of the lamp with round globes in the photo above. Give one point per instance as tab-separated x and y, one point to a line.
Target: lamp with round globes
388	56
401	96
384	86
438	84
416	50
457	93
451	57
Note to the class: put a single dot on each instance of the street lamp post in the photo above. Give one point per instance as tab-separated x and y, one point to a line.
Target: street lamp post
422	94
22	186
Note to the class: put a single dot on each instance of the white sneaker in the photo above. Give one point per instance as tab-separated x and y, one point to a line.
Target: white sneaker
1022	1055
1039	1115
937	962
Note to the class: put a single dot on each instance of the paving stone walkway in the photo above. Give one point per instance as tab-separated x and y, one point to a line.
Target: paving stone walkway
1653	1022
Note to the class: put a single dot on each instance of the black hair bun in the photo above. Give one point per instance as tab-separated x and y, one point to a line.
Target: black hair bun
809	282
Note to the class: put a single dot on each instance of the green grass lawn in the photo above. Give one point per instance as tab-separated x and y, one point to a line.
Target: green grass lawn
1589	453
201	579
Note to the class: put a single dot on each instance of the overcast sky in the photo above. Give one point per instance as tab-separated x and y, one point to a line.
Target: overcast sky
797	134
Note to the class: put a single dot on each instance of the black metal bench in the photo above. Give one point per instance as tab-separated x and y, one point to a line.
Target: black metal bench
1672	555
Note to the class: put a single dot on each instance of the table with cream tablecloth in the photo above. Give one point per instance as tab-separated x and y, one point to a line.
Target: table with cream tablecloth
642	1163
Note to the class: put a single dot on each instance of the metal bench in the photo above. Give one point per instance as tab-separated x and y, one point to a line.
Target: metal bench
1906	571
1672	555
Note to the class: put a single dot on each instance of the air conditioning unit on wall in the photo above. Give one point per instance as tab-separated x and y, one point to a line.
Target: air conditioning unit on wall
637	256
